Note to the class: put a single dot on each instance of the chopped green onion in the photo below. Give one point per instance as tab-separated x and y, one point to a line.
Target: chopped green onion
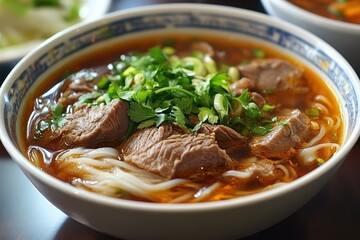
233	73
268	107
313	112
320	161
221	105
258	53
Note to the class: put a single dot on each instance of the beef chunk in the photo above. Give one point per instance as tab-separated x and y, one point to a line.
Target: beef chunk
270	74
92	126
258	99
263	172
174	153
204	48
78	84
228	139
281	142
238	87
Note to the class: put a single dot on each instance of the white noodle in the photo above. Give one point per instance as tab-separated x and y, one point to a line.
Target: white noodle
308	155
239	174
182	198
107	174
136	171
119	174
102	152
323	99
329	121
90	153
284	169
333	123
86	161
206	191
318	137
322	108
337	124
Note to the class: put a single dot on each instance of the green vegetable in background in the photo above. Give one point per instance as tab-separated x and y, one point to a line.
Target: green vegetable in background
20	8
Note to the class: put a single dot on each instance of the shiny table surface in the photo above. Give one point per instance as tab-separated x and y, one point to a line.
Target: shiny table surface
334	213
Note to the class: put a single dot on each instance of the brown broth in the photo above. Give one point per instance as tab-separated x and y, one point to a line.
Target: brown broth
233	52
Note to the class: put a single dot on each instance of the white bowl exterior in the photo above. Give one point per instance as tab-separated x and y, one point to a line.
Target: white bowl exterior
218	220
342	36
151	221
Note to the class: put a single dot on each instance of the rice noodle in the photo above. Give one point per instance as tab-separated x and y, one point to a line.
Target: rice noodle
107	174
338	123
320	100
91	153
322	107
238	174
245	173
333	122
183	198
102	171
284	169
206	191
318	137
323	99
308	155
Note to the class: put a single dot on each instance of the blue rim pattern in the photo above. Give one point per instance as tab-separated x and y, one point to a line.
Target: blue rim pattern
177	20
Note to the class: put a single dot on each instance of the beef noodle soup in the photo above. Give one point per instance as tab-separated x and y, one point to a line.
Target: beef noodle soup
182	119
342	10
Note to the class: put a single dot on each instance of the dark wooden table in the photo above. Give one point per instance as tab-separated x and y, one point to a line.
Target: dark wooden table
334	213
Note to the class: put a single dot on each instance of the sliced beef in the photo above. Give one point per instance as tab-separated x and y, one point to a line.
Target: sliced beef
204	48
78	84
261	172
92	126
269	75
258	99
228	139
174	153
285	138
74	90
238	87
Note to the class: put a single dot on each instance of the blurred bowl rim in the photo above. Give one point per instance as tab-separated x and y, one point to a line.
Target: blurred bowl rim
249	15
316	19
14	53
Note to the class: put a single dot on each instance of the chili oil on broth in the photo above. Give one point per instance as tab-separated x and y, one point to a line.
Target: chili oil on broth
230	51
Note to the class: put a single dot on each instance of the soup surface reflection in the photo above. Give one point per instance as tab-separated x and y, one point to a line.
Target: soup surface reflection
182	119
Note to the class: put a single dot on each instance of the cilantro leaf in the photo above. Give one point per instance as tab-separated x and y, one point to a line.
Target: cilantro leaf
161	86
221	105
139	112
178	115
208	114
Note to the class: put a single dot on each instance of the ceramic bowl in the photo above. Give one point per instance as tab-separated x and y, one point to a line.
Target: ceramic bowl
228	219
341	35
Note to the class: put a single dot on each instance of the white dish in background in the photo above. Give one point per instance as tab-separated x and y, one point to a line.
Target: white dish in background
90	10
342	36
228	219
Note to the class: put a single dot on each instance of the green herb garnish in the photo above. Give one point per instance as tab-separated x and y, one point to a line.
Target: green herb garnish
313	112
163	87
